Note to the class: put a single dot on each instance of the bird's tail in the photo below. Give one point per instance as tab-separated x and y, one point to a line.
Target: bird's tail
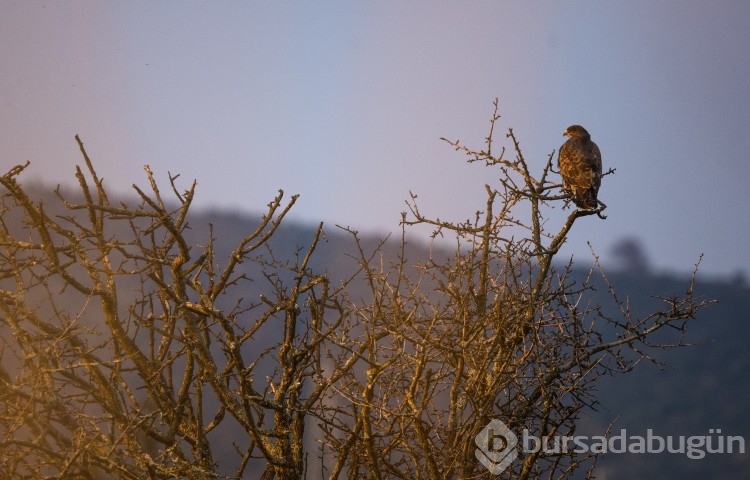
588	200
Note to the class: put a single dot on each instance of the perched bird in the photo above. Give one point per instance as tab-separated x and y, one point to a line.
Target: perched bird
580	163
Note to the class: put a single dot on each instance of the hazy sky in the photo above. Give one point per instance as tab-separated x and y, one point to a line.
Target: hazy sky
345	102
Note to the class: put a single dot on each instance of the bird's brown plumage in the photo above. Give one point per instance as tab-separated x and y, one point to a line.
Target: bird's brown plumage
580	163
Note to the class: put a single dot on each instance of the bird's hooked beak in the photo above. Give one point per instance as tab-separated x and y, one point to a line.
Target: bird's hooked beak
565	133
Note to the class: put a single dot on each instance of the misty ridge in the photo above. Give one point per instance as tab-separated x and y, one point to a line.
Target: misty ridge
687	392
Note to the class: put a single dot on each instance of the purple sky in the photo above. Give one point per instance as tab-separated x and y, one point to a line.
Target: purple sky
344	103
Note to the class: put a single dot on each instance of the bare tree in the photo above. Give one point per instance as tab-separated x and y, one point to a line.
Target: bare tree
128	352
494	331
99	382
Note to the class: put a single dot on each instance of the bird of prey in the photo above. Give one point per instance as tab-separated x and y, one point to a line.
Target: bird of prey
580	163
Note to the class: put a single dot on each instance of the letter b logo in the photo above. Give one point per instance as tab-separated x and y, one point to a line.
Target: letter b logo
496	446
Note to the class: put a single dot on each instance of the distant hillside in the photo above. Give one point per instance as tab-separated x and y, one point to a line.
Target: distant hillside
702	387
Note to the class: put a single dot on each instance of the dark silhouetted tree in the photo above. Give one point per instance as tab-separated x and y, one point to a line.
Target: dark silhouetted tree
630	256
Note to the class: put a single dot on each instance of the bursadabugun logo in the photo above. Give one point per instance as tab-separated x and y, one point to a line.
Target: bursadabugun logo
496	446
